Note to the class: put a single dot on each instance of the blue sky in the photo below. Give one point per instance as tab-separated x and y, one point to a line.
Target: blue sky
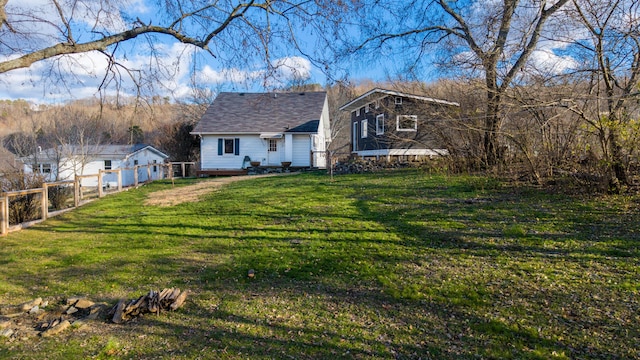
176	65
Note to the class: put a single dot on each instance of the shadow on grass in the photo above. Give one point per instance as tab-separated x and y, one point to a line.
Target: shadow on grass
383	270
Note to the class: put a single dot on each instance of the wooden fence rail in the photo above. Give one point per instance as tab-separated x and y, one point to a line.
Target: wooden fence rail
167	170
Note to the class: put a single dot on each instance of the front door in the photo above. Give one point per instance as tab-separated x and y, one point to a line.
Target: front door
274	153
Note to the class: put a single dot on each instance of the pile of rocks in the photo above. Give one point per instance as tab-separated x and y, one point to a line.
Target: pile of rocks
46	318
359	166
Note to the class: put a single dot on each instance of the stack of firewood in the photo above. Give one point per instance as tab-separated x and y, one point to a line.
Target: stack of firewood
153	302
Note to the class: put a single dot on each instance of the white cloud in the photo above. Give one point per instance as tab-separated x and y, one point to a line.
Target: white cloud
548	62
293	68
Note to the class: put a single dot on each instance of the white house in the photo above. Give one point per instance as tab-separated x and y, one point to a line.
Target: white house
272	129
64	162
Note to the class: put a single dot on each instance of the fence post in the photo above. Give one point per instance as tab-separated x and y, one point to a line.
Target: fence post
148	172
4	215
119	180
183	169
135	175
76	191
45	202
100	194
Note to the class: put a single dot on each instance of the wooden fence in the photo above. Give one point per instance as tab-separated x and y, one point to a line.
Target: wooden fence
81	195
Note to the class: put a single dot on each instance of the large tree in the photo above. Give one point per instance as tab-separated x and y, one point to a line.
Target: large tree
608	49
233	31
494	40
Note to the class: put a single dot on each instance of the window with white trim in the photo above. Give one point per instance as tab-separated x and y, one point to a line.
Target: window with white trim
377	104
407	123
367	108
380	124
46	168
107	164
363	129
398	100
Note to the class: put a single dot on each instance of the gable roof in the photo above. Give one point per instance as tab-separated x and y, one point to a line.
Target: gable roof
115	151
377	93
233	113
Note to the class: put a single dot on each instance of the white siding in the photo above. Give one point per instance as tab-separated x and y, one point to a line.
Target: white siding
301	150
250	145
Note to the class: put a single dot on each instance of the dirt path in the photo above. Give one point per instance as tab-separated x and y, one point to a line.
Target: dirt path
182	194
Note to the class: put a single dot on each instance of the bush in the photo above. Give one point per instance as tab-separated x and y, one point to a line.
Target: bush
59	196
25	207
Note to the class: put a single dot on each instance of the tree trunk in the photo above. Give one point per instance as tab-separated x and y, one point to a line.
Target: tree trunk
492	125
617	167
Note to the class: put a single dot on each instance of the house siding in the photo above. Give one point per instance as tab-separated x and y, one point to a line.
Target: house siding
301	150
391	138
68	169
249	145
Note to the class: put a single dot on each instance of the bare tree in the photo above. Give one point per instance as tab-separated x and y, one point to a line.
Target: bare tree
494	41
232	31
340	121
75	137
610	73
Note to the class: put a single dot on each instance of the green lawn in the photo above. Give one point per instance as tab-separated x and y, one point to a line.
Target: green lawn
399	264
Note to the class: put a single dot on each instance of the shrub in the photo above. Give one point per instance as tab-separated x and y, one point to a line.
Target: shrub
25	207
59	196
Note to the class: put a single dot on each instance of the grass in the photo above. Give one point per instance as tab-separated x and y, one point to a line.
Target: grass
398	264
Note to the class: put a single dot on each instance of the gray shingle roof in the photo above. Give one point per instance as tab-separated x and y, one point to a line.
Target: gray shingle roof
116	151
262	113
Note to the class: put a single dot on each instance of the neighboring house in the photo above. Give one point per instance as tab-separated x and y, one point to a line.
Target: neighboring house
64	162
386	123
265	128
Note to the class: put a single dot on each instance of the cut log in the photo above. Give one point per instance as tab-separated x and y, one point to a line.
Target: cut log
179	301
118	316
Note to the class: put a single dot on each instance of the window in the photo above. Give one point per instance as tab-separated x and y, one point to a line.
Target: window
364	124
135	162
407	123
380	124
367	108
155	168
273	145
398	100
377	104
354	136
41	168
107	164
228	146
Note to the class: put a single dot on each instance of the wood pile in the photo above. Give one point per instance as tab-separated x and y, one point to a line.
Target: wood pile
153	302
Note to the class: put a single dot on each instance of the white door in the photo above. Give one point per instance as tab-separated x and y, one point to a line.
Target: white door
275	151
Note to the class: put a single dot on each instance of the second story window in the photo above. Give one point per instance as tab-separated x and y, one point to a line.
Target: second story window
407	123
107	164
